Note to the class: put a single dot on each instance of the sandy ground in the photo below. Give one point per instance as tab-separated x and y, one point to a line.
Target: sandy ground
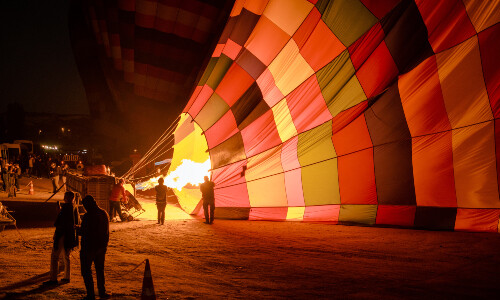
263	260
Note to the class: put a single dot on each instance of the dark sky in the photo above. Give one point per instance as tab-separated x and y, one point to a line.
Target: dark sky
37	68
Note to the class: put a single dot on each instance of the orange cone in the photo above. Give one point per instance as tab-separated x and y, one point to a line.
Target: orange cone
32	190
148	290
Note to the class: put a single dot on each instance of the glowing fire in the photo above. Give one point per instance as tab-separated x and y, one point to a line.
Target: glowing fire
188	172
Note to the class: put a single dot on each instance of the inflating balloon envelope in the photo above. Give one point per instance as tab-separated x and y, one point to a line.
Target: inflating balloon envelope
354	111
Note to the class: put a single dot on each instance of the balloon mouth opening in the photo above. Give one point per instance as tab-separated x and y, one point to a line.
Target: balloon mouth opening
190	164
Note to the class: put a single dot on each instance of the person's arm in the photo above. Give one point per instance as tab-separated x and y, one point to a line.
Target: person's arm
124	194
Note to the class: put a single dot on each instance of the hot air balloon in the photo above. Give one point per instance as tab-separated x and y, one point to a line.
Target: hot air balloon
140	59
351	111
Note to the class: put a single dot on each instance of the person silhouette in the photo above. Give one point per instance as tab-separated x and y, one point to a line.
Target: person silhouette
161	200
65	238
207	194
95	238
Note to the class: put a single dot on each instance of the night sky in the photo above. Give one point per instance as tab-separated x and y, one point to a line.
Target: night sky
37	68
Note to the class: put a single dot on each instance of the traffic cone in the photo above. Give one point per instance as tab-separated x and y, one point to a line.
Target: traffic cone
32	190
148	290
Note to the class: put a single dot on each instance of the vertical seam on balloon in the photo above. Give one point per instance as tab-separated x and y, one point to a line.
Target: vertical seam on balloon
451	131
491	109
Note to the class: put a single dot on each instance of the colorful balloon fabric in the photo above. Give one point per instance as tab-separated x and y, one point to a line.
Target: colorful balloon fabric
157	45
351	111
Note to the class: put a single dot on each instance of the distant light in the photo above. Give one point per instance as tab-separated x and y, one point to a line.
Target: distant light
49	147
62	129
135	150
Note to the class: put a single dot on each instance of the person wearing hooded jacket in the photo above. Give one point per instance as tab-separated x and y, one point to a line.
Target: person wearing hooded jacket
95	237
65	238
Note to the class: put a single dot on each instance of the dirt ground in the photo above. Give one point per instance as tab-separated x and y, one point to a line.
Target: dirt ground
263	260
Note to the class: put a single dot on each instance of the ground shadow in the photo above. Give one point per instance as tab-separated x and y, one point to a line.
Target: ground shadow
30	281
36	290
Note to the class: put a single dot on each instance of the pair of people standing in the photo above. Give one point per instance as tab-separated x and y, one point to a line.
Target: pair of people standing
94	230
207	192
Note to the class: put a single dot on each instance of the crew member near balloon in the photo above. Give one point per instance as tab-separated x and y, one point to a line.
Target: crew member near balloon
161	200
54	172
65	238
64	173
95	238
117	193
207	195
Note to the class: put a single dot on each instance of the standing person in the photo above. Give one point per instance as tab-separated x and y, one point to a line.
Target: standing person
65	238
161	200
207	194
11	181
64	173
54	176
38	167
114	200
17	175
95	238
31	163
47	166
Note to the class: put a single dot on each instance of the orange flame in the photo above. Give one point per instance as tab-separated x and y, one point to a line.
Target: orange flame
187	173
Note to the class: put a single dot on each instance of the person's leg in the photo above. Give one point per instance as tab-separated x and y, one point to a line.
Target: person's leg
212	211
161	213
205	210
99	270
118	209
111	210
67	265
54	186
86	266
158	207
54	260
56	182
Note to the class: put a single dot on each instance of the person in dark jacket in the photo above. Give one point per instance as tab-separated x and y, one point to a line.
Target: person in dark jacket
207	194
54	172
95	238
161	200
65	238
64	168
11	180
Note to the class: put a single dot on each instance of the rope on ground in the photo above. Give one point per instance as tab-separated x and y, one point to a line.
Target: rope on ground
24	243
130	271
64	183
